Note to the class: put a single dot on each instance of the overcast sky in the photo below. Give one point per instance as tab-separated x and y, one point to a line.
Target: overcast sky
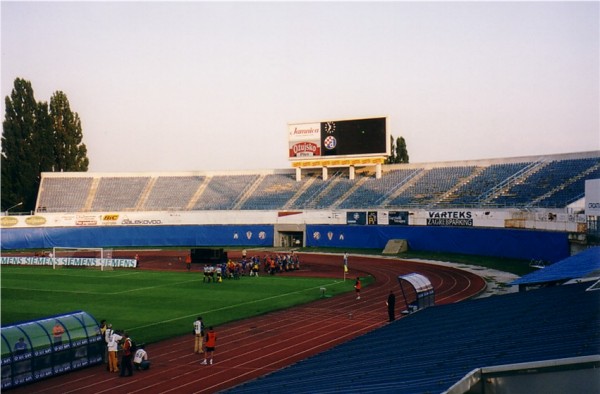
163	86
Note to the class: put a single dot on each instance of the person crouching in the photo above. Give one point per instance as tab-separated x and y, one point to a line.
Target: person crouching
140	359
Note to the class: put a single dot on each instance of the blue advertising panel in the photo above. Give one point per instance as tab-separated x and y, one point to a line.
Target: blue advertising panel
356	218
398	218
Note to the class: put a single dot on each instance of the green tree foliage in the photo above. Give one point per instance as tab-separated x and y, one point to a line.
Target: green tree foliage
69	152
37	138
19	172
392	157
399	153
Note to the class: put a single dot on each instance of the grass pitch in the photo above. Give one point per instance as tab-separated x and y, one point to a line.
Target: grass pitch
152	305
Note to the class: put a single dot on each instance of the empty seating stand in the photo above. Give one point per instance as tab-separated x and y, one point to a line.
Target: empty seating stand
66	194
430	350
172	192
552	182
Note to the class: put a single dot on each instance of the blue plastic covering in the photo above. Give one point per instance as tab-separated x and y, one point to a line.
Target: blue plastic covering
578	266
37	349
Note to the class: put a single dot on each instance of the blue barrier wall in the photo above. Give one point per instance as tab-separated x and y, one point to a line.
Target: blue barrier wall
107	236
513	243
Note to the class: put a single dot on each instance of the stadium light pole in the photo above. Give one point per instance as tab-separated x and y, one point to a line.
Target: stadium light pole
14	206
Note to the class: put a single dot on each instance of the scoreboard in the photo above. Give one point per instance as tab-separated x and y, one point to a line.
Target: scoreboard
339	138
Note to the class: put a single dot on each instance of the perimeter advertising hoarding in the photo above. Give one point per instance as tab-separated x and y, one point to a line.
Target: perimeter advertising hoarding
364	218
398	218
356	218
357	137
592	197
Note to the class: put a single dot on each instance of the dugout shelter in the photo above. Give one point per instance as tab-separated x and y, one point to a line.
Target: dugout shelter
38	349
417	291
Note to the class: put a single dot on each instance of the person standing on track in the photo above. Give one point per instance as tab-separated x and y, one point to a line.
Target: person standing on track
391	306
126	357
357	287
211	341
112	345
188	262
103	334
198	334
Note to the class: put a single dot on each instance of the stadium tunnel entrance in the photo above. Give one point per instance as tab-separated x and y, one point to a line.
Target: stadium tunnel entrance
289	235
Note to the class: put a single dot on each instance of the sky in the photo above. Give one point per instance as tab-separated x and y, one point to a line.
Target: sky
202	86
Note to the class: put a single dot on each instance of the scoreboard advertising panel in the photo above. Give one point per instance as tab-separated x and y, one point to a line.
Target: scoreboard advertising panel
356	137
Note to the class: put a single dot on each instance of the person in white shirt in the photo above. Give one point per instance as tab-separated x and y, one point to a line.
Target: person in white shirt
112	343
140	360
198	335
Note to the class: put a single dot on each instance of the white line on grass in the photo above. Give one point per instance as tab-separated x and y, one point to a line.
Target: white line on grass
100	293
233	306
53	273
155	287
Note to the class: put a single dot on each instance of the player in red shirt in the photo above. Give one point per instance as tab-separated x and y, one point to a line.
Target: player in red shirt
357	287
210	343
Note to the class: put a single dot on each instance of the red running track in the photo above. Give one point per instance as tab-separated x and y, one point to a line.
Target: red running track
257	346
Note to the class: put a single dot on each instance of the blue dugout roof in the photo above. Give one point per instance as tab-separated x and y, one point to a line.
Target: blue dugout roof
583	264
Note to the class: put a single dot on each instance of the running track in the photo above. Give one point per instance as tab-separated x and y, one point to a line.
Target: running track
254	347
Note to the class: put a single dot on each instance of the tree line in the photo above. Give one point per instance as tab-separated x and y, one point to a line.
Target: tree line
37	137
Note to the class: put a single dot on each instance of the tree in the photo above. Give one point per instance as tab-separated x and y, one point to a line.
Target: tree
19	157
37	138
392	157
69	152
399	153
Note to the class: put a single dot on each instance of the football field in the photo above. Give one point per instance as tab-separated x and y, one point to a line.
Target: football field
151	305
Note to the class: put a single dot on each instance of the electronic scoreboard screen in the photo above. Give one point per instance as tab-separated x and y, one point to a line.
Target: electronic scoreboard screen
354	137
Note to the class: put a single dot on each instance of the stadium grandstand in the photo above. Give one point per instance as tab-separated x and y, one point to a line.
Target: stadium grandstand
510	207
553	181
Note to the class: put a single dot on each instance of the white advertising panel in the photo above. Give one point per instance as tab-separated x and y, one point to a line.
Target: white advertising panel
592	197
304	132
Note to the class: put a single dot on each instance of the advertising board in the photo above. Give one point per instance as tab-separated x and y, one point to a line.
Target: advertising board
592	197
355	137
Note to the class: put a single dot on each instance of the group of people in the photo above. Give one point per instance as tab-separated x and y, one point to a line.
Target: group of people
131	356
250	266
204	341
